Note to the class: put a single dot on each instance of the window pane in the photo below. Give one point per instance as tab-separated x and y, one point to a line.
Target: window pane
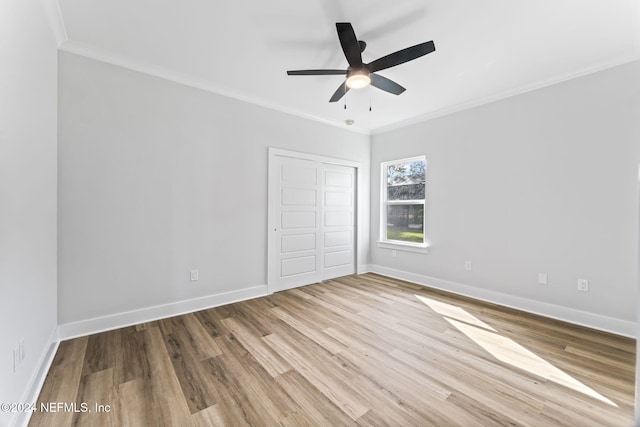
405	181
405	223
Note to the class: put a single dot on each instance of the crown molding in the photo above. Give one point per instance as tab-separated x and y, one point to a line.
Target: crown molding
507	94
634	56
101	55
54	16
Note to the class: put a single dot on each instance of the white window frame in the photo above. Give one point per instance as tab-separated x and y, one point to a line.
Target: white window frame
384	203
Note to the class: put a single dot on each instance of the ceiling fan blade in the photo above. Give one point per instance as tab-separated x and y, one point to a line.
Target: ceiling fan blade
385	84
316	72
349	43
340	92
401	56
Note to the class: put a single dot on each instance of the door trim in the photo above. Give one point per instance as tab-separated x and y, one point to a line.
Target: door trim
271	199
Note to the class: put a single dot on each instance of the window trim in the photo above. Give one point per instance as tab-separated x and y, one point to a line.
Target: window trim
384	203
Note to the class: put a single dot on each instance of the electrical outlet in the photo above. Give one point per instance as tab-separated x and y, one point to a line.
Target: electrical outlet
467	265
394	253
542	278
583	285
194	275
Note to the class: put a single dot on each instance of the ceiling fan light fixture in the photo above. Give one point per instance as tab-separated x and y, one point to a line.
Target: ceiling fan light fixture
358	79
360	74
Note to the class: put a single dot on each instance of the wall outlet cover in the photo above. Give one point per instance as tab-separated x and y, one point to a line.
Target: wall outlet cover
16	359
583	285
542	278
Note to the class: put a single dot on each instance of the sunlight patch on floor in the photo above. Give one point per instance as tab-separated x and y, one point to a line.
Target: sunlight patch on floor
454	312
505	349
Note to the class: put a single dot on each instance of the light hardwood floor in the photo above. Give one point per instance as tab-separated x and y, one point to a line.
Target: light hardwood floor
356	351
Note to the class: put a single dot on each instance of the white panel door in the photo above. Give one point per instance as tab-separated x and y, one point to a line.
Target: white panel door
297	221
338	222
313	210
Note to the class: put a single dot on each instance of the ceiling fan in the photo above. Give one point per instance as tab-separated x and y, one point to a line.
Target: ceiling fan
359	74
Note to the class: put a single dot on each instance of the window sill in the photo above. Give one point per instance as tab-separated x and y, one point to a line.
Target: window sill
407	247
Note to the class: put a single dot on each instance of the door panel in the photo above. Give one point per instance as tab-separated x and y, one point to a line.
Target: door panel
298	222
299	197
332	198
301	242
338	246
297	266
314	219
337	238
338	219
337	259
306	175
338	179
298	219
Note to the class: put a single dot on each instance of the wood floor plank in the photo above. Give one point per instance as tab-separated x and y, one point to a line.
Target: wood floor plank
274	363
129	363
62	383
236	398
307	311
134	408
312	402
254	382
299	293
468	411
319	337
502	398
97	392
196	336
356	380
335	385
168	404
363	350
208	417
190	372
566	411
211	321
100	353
255	315
406	400
396	377
230	408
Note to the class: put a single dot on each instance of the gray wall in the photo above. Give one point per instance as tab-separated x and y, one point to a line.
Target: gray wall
544	182
157	178
28	168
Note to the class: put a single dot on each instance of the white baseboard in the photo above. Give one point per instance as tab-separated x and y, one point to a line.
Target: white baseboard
32	392
148	314
364	268
571	315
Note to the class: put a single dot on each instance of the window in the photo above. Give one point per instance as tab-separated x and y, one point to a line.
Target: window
403	194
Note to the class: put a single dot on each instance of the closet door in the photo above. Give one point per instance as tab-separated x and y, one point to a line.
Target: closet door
338	221
313	208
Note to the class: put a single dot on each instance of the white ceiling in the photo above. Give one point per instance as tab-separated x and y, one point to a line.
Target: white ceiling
485	50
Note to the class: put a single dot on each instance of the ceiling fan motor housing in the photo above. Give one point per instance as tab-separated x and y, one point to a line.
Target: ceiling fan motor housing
359	74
